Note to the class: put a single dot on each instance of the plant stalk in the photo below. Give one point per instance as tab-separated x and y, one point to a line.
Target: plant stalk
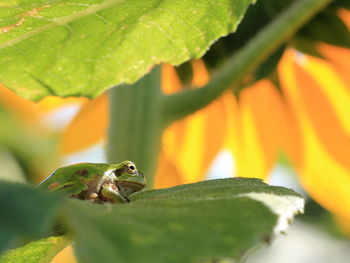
231	74
135	123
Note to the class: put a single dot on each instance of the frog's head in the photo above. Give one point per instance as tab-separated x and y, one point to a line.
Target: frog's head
129	179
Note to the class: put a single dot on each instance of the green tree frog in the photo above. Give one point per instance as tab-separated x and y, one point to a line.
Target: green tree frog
97	182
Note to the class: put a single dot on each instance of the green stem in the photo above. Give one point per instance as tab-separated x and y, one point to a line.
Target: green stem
135	123
181	104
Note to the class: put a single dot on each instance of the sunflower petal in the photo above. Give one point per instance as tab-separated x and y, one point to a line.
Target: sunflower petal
324	172
88	127
249	155
50	103
344	15
326	102
264	130
170	81
192	143
339	58
167	175
22	108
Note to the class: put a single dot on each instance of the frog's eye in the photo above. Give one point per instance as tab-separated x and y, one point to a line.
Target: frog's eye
131	168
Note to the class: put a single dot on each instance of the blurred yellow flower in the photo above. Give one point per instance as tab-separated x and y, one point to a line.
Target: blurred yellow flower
320	100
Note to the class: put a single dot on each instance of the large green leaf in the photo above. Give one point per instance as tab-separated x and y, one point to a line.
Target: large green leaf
189	223
82	47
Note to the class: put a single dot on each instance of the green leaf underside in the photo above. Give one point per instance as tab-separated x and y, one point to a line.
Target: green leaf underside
189	223
171	231
34	252
82	47
26	214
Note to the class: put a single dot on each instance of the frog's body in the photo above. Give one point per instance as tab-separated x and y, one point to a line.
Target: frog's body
98	182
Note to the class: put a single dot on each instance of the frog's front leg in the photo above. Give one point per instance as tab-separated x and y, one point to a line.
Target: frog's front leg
110	193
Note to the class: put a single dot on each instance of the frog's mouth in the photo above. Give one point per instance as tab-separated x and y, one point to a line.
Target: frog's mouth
129	184
126	188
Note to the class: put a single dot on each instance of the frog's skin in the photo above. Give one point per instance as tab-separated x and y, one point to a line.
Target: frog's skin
97	182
